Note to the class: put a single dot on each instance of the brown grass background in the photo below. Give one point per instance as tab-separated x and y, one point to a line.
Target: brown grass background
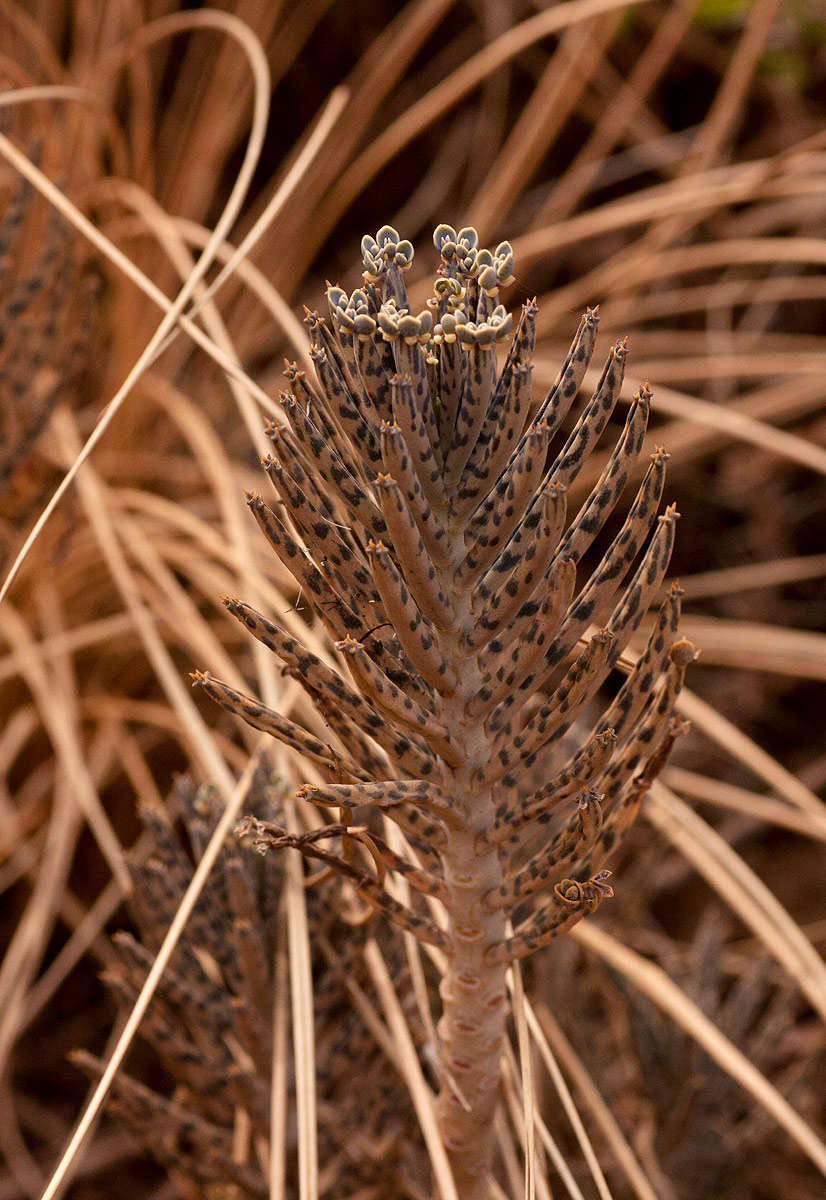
665	160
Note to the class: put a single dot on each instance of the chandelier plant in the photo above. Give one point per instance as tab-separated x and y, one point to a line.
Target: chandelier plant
421	505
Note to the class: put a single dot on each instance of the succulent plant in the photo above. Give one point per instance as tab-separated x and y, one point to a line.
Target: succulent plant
210	1023
48	317
422	510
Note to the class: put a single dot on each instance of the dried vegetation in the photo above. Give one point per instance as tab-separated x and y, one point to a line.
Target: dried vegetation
666	162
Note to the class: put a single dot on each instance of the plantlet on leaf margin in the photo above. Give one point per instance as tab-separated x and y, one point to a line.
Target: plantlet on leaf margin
425	520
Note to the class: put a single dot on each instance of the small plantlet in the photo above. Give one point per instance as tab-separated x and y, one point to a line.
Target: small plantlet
422	511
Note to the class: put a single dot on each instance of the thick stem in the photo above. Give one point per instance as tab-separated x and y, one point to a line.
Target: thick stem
472	1027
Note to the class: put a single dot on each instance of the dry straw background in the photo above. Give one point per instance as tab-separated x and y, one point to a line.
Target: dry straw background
665	160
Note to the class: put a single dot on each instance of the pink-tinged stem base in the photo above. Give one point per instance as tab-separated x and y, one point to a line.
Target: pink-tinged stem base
472	1027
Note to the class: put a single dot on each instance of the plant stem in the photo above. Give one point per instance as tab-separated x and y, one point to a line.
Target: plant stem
472	1027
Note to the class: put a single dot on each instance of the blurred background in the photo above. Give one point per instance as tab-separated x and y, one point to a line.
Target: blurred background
664	160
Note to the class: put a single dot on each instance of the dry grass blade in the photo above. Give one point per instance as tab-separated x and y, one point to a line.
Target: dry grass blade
654	982
602	1114
91	926
317	136
278	1091
558	92
742	889
526	1072
745	750
409	1063
516	1103
713	131
728	795
63	732
743	428
175	311
692	212
615	118
755	647
92	495
451	90
754	575
20	959
552	1067
301	990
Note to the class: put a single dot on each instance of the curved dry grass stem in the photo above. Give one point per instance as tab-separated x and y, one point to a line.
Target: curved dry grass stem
255	279
745	750
616	117
333	108
237	529
174	311
303	1039
737	425
20	959
727	795
557	94
132	272
86	932
713	131
176	236
260	71
278	1083
261	109
741	427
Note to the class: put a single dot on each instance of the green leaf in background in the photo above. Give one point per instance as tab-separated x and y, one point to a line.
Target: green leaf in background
721	12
